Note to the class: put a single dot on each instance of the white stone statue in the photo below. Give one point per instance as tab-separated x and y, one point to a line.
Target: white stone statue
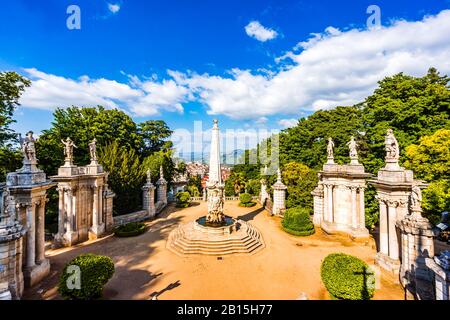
68	149
215	206
391	146
28	147
93	150
352	145
330	147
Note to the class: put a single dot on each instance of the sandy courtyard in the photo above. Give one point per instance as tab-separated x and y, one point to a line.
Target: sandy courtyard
286	267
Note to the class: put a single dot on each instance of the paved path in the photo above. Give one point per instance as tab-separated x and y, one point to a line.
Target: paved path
287	266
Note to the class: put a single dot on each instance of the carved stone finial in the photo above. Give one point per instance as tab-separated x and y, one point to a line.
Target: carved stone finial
161	172
149	176
279	175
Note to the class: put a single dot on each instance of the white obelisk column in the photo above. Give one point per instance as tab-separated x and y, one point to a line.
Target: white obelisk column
215	175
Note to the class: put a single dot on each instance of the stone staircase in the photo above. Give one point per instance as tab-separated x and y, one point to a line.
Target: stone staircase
186	240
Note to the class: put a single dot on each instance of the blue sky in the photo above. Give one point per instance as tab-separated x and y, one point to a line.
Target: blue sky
183	61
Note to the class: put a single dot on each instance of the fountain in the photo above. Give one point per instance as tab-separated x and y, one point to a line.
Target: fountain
215	233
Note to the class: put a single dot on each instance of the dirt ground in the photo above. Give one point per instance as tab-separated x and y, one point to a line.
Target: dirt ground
285	268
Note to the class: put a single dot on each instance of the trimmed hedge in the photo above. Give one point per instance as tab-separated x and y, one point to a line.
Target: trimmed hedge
248	204
297	222
95	271
347	277
183	199
130	229
246	200
245	197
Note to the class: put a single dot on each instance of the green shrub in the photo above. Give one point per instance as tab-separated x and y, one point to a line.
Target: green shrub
297	221
183	199
95	271
248	204
245	198
130	229
347	277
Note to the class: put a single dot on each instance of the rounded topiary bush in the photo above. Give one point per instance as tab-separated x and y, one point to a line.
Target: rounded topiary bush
183	199
347	277
130	229
83	278
297	221
246	200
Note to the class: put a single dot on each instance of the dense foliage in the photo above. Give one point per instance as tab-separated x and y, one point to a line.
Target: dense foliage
131	229
95	271
297	221
430	160
347	277
413	107
12	86
300	181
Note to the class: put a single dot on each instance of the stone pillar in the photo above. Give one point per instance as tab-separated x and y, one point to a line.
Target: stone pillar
393	240
383	229
40	232
353	205
330	203
95	207
362	212
326	216
11	246
62	212
69	214
318	196
31	236
148	199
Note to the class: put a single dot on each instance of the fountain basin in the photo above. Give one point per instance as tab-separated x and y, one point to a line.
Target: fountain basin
230	224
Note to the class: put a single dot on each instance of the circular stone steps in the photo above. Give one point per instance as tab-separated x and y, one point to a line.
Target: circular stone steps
186	239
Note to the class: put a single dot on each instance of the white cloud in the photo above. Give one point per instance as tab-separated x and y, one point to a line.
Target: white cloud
286	123
255	30
329	69
142	98
114	7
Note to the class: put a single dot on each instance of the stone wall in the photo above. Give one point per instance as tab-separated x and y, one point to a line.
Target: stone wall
137	216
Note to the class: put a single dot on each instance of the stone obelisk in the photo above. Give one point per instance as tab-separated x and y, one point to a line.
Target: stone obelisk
215	187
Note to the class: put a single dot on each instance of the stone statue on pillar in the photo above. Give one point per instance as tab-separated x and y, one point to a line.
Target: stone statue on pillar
68	150
391	146
93	151
330	154
352	145
28	148
149	176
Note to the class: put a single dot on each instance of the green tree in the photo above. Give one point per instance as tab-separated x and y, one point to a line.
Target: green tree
12	85
413	107
126	176
300	181
430	160
154	134
82	125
